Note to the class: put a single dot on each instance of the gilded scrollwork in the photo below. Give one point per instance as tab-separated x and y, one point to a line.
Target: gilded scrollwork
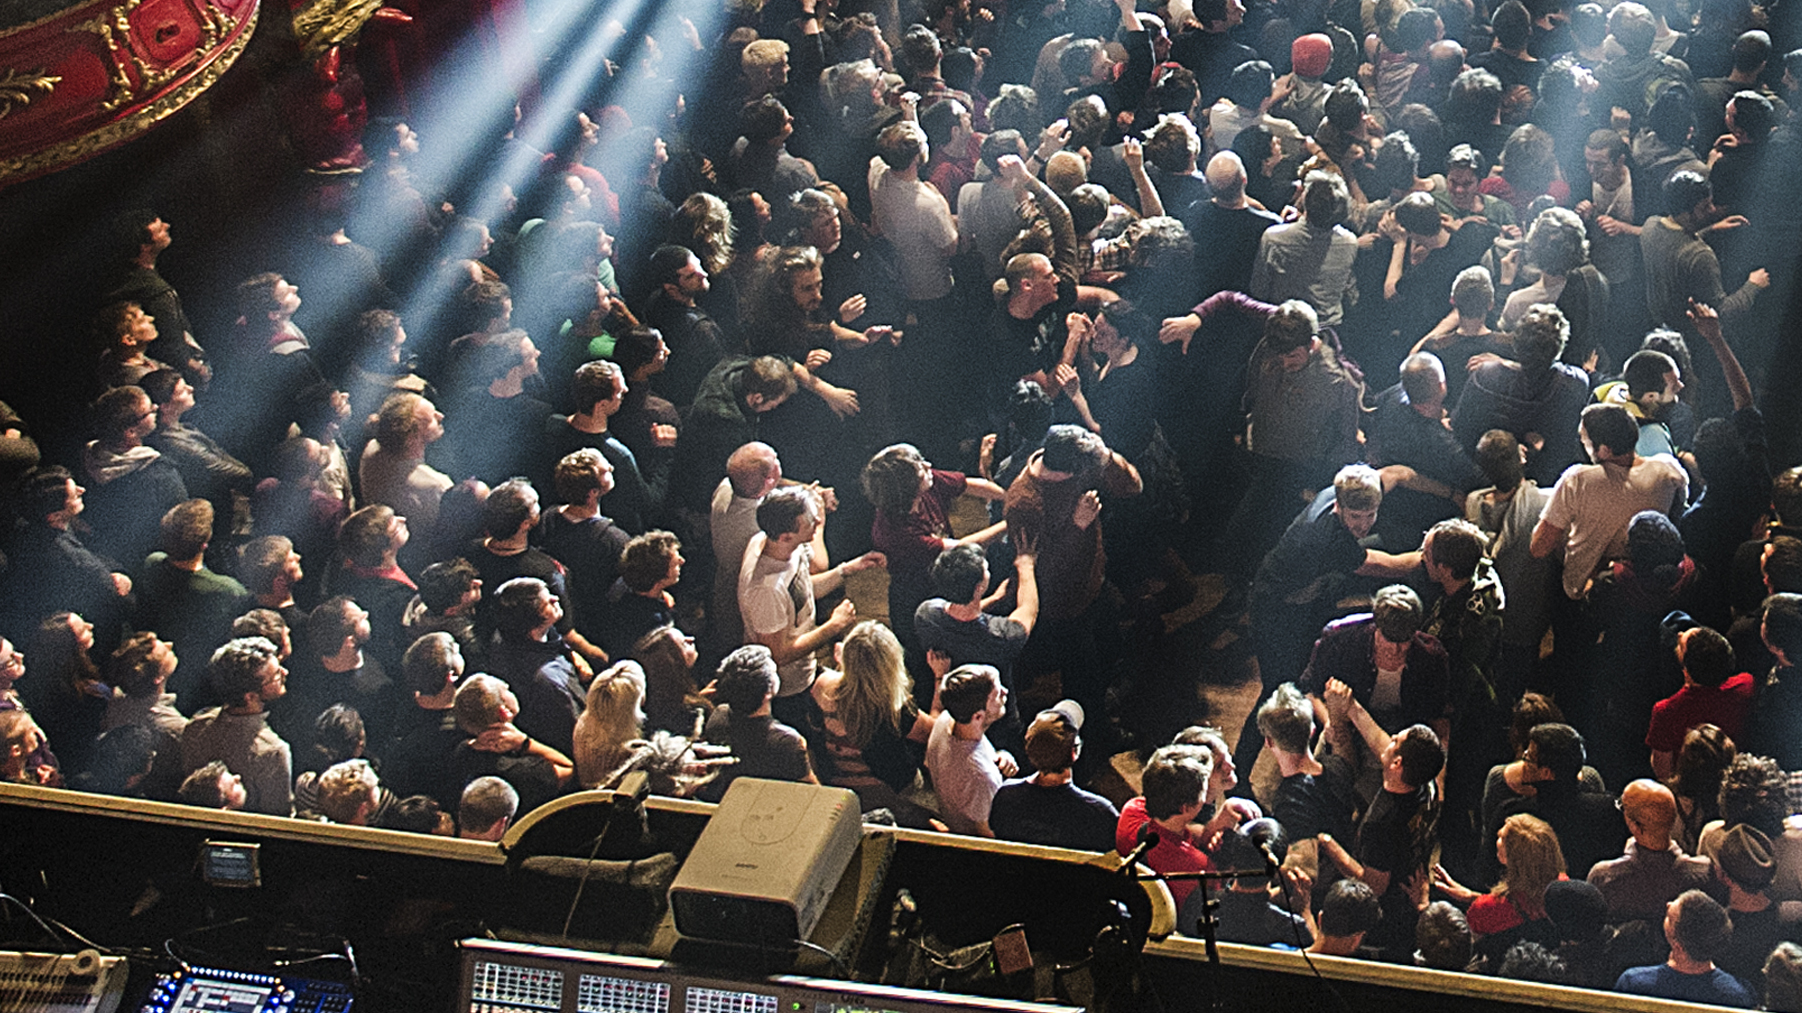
114	29
125	128
18	88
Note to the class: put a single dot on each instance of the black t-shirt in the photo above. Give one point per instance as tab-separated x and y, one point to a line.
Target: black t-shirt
1315	546
1060	816
1311	804
589	549
763	746
1396	837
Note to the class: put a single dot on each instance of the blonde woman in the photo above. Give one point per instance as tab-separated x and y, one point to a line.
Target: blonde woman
611	721
868	719
1514	909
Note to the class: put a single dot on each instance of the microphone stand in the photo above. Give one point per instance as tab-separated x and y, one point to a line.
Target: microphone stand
1208	924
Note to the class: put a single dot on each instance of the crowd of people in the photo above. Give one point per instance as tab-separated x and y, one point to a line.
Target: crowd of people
1438	330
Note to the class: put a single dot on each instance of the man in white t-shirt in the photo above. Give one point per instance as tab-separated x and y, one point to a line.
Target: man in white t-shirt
966	770
777	584
1592	503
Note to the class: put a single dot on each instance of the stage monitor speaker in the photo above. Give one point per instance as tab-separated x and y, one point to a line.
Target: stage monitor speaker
763	870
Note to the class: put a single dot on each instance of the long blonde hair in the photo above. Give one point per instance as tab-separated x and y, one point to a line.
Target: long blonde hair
610	721
1535	861
875	688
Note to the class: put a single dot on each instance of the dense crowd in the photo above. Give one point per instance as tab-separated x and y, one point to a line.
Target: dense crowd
1439	330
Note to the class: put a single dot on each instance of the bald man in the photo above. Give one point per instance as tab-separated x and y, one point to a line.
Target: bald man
751	472
1654	869
1232	224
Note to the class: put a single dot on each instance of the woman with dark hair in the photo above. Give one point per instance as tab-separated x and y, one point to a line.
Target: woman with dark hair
1508	781
65	691
1702	764
671	700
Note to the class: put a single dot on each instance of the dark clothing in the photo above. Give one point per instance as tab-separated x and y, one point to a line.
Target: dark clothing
386	602
1232	238
764	747
1498	396
589	550
1398	434
1715	988
1311	804
550	696
532	776
1346	651
126	502
194	612
312	688
631	503
50	571
493	438
1248	918
495	570
628	615
419	762
1397	837
1776	714
1211	57
696	345
1058	816
1589	827
717	424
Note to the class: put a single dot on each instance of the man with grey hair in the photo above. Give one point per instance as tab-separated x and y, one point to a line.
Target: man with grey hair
485	809
248	675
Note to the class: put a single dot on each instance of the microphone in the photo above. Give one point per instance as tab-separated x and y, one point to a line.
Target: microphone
1274	863
1147	839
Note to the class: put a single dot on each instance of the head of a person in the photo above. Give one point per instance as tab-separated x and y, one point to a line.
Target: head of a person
1346	106
1702	763
894	478
448	583
1015	107
1781	629
1398	613
187	527
960	574
431	664
746	678
487	806
580	473
614	708
1423	379
1633	26
902	145
876	686
483	701
1529	850
1610	428
1175	780
1745	858
141	665
1655	547
1418	756
1357	495
1325	201
1753	793
972	691
1031	279
339	734
1442	938
1250	84
1697	924
640	351
123	414
1289	334
1605	155
1417	214
651	561
247	667
1689	195
213	786
766	382
1350	909
1649	808
370	533
920	50
522	607
595	383
1286	719
789	510
266	296
510	506
1173	144
335	623
1054	740
1783	979
1396	163
1556	749
1226	177
1073	450
1557	241
1454	547
266	561
347	792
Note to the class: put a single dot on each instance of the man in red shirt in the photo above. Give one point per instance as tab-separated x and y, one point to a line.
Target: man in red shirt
1711	694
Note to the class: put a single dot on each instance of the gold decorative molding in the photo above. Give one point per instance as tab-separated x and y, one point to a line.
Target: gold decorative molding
327	23
124	129
17	88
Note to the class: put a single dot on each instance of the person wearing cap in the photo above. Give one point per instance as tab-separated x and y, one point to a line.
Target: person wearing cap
1745	865
1305	106
966	770
1247	911
1653	870
1698	930
1047	807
